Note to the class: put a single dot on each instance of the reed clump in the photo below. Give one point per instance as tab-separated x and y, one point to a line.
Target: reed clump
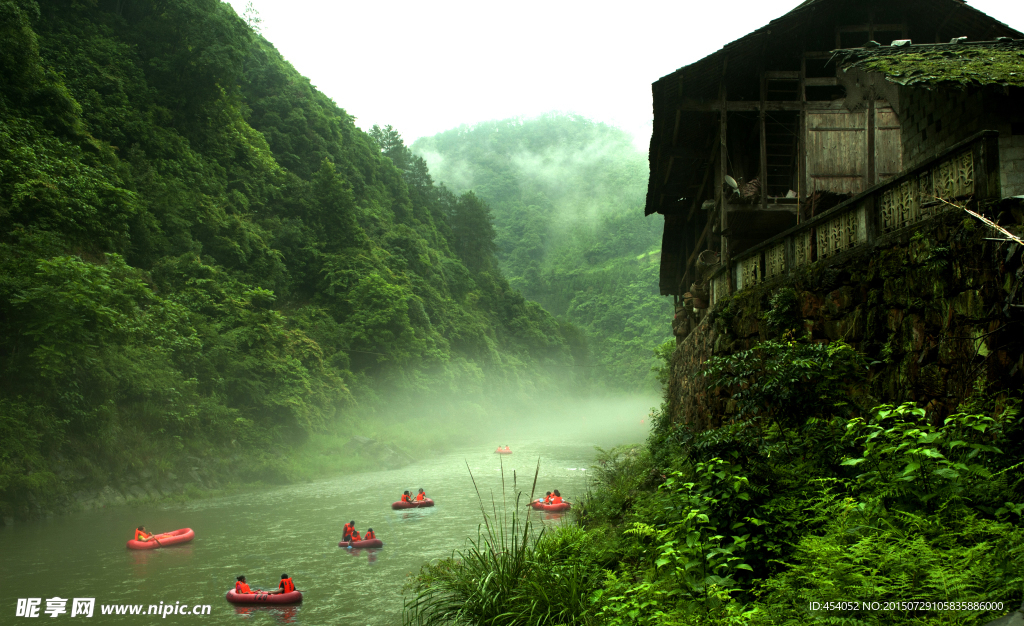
511	574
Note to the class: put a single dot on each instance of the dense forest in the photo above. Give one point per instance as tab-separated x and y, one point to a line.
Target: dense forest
200	251
567	196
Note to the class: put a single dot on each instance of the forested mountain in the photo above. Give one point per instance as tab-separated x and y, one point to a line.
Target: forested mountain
567	195
198	249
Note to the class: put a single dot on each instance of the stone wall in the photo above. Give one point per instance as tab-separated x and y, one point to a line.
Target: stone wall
937	306
933	120
1011	162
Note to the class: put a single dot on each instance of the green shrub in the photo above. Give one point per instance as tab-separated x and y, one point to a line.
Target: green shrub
867	558
509	575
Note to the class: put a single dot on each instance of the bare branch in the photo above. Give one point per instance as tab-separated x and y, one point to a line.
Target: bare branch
1010	236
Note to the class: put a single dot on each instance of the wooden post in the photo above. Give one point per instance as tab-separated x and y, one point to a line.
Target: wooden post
801	146
764	146
871	141
869	175
723	166
763	174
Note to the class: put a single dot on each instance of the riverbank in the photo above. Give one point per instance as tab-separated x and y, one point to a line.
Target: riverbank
184	477
139	473
215	472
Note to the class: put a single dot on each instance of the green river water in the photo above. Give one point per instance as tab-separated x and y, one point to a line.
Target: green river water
293	529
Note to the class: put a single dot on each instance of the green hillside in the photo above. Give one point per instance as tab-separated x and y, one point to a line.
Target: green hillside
567	195
200	252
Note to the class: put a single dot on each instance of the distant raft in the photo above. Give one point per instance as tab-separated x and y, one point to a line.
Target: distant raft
552	508
503	451
262	597
415	504
365	543
182	535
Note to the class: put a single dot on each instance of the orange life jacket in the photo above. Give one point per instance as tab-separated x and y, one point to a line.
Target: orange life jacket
141	535
286	586
405	498
420	496
347	532
370	535
241	587
355	535
556	499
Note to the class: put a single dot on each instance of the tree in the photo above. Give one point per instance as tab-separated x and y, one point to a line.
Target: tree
472	232
252	18
389	141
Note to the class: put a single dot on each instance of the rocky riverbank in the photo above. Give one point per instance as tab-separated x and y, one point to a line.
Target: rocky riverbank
198	477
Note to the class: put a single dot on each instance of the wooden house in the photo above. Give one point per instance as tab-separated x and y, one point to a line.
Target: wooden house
757	144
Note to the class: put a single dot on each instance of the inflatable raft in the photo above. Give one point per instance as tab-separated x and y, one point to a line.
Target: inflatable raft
365	543
415	504
553	508
262	597
502	451
182	535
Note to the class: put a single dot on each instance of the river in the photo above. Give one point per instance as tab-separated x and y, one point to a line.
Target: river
293	529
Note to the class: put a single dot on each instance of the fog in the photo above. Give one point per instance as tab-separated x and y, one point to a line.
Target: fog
604	421
574	169
551	409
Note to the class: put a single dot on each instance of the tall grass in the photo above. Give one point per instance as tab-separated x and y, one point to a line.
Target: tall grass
509	575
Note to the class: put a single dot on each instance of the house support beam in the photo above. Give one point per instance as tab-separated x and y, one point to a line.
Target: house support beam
699	106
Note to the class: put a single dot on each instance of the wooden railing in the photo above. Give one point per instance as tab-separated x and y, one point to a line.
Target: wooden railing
969	169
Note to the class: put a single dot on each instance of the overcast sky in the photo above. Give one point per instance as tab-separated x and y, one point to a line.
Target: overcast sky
426	67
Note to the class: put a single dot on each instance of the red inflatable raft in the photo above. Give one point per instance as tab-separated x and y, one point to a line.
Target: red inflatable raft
553	508
262	597
182	535
365	543
415	504
502	451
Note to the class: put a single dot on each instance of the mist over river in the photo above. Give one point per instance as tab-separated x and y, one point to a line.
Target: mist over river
295	529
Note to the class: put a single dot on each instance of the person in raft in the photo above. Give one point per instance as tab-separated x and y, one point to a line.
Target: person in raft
346	534
406	497
285	586
369	535
556	498
241	586
421	496
141	534
546	499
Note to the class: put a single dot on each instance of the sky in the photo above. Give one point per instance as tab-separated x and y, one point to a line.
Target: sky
426	67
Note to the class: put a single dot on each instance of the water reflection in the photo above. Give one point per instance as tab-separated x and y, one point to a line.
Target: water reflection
282	614
415	515
173	555
371	554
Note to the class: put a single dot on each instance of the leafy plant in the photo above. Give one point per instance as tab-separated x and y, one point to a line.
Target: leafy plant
508	575
786	382
784	314
908	462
